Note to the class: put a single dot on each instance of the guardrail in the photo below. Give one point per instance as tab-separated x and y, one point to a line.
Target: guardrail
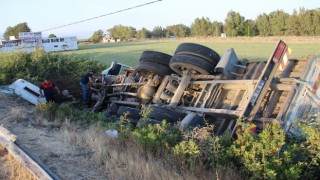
21	154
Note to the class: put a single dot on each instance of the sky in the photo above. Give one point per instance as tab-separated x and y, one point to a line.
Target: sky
46	14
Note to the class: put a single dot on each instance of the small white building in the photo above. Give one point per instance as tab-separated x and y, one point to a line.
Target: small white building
108	39
60	44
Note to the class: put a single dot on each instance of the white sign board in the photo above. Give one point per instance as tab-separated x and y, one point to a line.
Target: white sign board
30	39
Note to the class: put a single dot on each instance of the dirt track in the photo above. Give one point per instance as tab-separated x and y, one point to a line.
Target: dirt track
45	141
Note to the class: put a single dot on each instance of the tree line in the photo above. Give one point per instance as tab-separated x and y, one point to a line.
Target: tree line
277	23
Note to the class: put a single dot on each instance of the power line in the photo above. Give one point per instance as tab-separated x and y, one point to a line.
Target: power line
102	15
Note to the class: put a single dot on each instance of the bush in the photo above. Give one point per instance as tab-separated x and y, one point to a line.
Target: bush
203	149
158	138
309	147
35	66
65	110
49	109
259	153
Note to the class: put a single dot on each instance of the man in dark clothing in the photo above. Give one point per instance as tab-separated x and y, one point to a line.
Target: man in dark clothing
48	89
85	79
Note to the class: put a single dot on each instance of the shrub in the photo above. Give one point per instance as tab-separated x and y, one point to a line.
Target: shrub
35	66
309	148
259	153
65	110
48	108
158	138
203	149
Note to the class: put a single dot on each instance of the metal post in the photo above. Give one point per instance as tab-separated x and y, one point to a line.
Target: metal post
186	77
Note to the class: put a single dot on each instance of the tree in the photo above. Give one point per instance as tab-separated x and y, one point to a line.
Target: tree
158	32
250	27
97	36
310	22
143	33
201	27
14	31
52	36
122	32
263	24
278	20
234	24
178	30
217	28
316	21
293	24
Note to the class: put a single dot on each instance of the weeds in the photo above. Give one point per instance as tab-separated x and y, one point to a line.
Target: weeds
19	114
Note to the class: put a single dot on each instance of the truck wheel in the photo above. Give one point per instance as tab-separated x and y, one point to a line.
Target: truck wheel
196	120
170	115
133	113
155	56
198	50
150	67
142	123
196	64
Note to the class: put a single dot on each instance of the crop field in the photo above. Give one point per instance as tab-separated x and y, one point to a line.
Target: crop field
129	52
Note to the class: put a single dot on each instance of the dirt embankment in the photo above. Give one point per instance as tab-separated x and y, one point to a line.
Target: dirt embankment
46	142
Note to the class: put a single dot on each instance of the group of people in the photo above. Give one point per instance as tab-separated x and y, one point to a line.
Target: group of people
48	89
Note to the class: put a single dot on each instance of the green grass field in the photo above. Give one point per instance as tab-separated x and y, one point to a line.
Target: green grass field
129	52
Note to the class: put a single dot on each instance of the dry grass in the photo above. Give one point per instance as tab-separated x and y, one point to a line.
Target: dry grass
18	114
12	169
125	159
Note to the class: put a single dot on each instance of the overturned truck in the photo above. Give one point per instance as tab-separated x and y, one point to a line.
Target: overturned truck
196	85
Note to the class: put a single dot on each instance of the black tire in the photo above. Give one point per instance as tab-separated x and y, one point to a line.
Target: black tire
152	121
170	115
197	65
133	122
196	121
150	67
143	123
113	108
133	113
155	56
198	50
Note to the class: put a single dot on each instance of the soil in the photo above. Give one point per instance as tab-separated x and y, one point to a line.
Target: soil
45	141
70	84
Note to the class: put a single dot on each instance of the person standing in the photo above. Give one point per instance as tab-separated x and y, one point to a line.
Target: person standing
85	79
48	90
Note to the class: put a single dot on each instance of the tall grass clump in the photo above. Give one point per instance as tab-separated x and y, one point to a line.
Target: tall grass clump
36	65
